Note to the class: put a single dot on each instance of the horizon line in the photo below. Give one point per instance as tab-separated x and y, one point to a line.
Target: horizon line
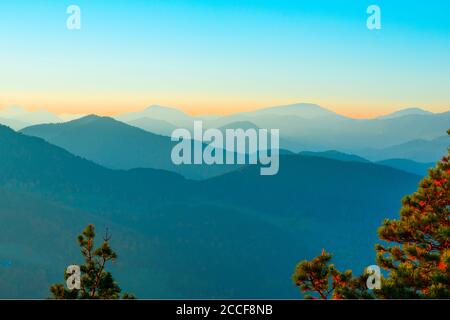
194	114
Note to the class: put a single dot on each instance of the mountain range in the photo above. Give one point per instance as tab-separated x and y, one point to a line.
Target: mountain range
309	127
117	145
203	231
410	134
237	235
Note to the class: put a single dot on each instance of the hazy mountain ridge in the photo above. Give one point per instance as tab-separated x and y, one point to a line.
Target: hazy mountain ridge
336	155
19	118
414	167
117	145
419	150
310	127
161	127
405	112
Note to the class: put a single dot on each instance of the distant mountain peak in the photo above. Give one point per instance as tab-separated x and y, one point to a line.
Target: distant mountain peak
303	105
240	125
406	112
157	112
91	117
159	108
304	110
299	106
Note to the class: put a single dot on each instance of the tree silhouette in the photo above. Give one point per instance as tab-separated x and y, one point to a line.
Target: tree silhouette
96	282
416	254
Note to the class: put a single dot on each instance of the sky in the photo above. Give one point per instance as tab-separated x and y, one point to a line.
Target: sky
220	57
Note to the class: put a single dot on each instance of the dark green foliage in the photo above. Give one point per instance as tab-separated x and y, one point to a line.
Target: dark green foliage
418	260
96	282
320	279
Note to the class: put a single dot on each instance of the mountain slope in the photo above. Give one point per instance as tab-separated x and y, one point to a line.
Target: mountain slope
156	112
117	145
32	164
303	179
406	112
107	142
414	167
13	124
302	110
244	125
325	203
160	127
336	155
416	150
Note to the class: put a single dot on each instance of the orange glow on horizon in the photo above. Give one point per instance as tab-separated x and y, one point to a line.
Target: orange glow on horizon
114	104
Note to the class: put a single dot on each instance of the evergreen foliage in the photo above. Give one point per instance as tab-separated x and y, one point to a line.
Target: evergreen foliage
96	282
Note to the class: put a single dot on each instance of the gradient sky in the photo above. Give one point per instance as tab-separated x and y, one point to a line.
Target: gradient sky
225	56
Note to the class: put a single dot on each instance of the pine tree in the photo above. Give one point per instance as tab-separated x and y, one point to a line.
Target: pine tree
417	260
96	282
320	279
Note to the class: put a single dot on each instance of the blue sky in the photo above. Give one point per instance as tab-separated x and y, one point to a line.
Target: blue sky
225	56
